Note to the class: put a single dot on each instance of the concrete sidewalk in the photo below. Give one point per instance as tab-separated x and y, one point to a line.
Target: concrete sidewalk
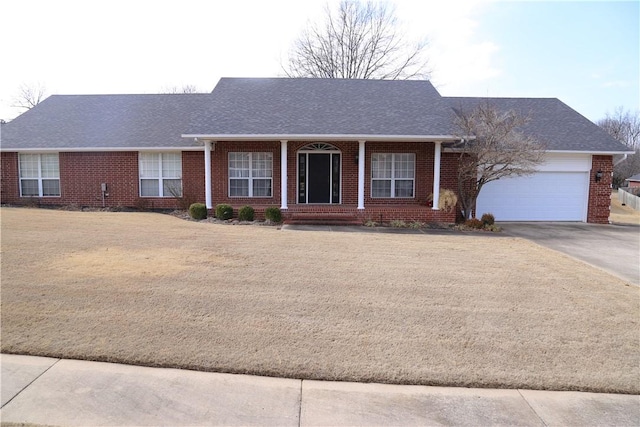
39	390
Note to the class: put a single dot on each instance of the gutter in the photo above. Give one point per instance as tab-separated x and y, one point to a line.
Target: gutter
322	137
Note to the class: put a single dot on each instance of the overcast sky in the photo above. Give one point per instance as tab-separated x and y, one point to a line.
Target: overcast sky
587	54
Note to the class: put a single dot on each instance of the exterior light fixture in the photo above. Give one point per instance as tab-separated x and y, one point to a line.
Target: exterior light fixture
598	175
357	158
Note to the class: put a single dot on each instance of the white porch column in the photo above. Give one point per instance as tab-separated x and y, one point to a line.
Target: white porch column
360	174
436	175
283	174
207	174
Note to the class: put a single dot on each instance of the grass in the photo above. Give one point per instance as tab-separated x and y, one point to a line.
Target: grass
454	310
622	214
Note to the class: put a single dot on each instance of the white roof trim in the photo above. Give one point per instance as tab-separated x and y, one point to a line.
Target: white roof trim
606	153
99	149
322	137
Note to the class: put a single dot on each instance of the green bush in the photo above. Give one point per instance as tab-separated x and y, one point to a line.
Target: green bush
246	213
198	211
488	219
273	214
224	211
474	223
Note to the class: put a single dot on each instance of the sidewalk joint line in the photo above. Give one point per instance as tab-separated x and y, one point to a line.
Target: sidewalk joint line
32	381
300	405
531	407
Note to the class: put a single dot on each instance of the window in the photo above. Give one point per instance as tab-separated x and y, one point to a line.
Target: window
392	175
39	175
250	174
160	174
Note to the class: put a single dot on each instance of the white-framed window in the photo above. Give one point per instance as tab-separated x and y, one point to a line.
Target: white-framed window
250	174
393	175
39	175
160	174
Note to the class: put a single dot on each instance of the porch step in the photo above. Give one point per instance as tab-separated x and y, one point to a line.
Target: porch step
308	218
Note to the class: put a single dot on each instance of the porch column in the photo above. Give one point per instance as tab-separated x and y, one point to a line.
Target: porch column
283	174
360	174
436	175
207	174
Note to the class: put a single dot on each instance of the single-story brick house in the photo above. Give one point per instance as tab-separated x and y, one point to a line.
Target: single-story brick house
633	181
366	149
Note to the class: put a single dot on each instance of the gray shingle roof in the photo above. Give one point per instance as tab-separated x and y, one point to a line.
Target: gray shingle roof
104	121
635	177
282	106
279	106
552	122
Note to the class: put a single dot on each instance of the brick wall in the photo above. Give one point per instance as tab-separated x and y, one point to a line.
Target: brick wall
600	192
82	173
9	187
81	176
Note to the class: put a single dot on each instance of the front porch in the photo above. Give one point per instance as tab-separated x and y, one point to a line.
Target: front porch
348	182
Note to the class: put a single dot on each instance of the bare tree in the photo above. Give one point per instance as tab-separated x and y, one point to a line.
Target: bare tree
183	89
625	127
492	147
29	96
357	41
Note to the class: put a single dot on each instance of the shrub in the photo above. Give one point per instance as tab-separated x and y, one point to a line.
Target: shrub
370	223
398	223
447	201
246	213
224	211
416	224
474	223
488	219
273	214
198	211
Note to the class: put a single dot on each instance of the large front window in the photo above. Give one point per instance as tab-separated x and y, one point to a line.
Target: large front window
160	174
393	175
39	175
250	174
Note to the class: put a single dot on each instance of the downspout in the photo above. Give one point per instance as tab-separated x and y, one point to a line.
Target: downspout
624	157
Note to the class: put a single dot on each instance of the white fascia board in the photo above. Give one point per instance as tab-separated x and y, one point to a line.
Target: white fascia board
323	137
604	153
98	149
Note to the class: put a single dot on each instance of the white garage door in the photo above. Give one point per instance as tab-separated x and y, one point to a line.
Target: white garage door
544	196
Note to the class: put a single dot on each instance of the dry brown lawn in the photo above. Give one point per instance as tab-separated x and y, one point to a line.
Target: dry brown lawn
622	214
456	310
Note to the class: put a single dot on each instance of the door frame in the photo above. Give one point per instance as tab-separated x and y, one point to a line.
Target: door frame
318	148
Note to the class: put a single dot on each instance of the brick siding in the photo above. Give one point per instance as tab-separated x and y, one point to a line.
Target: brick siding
82	173
600	192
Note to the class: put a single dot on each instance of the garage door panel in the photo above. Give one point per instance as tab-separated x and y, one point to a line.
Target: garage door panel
544	196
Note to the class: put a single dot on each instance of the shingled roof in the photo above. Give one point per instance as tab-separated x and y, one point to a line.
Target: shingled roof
332	107
551	121
90	122
281	108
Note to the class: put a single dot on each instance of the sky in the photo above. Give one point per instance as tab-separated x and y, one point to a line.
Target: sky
586	53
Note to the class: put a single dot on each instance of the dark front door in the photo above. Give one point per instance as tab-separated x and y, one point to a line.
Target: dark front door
319	177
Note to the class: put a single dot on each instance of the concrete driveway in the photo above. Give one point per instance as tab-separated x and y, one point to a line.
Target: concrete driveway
614	248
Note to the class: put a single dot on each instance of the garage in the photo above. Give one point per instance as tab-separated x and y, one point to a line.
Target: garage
559	191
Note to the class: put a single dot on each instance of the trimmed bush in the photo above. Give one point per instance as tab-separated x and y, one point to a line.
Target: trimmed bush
447	200
488	219
198	211
273	214
224	211
474	223
246	213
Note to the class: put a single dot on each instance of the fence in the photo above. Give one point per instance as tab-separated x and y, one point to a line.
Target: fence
628	199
